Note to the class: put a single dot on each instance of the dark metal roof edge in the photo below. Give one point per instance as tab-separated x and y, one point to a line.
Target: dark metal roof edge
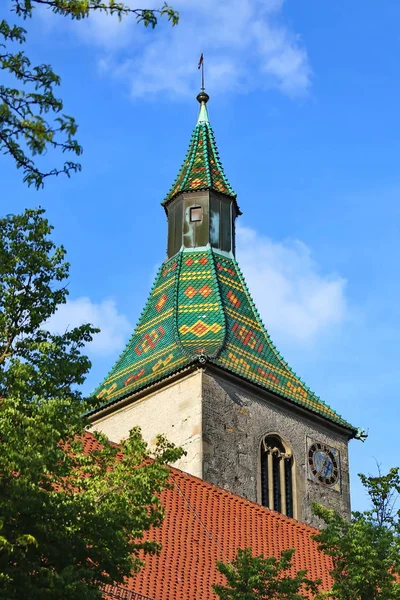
166	202
129	397
302	409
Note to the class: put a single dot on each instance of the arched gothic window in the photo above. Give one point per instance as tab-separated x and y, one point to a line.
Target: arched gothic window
277	475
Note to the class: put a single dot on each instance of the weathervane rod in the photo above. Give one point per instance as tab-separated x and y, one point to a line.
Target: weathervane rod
201	66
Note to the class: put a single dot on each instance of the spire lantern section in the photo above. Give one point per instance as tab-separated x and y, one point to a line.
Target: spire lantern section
201	206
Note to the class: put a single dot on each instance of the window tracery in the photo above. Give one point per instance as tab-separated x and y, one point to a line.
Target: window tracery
277	475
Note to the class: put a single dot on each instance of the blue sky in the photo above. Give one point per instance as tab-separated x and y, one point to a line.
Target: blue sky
304	105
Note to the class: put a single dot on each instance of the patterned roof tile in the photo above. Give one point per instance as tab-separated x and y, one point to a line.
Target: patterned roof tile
201	168
200	309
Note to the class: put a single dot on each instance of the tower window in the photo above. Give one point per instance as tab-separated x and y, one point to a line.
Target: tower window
221	223
276	475
195	214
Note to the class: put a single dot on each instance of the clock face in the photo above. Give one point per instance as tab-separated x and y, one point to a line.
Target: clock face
323	463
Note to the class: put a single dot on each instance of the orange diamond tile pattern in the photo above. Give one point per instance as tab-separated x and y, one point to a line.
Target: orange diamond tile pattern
233	299
200	306
160	304
190	291
200	328
205	291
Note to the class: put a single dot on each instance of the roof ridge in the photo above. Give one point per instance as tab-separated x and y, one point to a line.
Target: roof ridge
176	293
245	353
206	126
121	377
125	350
214	271
217	158
266	333
201	321
194	144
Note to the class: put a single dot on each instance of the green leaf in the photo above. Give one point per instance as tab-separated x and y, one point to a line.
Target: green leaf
71	521
251	577
365	550
32	120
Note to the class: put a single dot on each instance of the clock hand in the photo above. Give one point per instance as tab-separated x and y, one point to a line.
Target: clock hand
323	465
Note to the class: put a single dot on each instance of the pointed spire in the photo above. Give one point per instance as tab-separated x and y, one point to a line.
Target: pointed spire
201	169
202	97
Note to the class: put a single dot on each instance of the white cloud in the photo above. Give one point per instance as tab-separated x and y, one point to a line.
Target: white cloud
114	326
294	299
245	42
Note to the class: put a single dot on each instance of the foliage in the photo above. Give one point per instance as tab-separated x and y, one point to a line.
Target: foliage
31	116
257	578
365	550
365	555
70	521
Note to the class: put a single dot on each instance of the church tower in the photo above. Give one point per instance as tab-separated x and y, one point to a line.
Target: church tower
202	369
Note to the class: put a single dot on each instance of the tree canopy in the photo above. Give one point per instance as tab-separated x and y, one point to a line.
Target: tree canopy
365	553
71	521
251	577
32	120
365	550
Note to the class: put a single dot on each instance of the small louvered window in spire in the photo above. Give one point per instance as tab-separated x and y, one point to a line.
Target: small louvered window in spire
195	214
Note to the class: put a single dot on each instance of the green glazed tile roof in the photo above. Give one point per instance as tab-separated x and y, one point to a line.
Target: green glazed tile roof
200	310
201	169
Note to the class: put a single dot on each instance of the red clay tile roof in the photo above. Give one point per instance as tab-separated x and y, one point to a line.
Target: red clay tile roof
204	524
116	592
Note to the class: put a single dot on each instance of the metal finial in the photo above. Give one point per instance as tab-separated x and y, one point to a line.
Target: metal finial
203	97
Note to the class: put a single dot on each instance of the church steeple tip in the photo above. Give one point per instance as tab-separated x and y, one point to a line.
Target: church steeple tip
203	98
202	168
201	206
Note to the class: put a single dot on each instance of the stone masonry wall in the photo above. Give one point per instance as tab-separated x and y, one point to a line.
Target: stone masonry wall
174	410
235	421
220	424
